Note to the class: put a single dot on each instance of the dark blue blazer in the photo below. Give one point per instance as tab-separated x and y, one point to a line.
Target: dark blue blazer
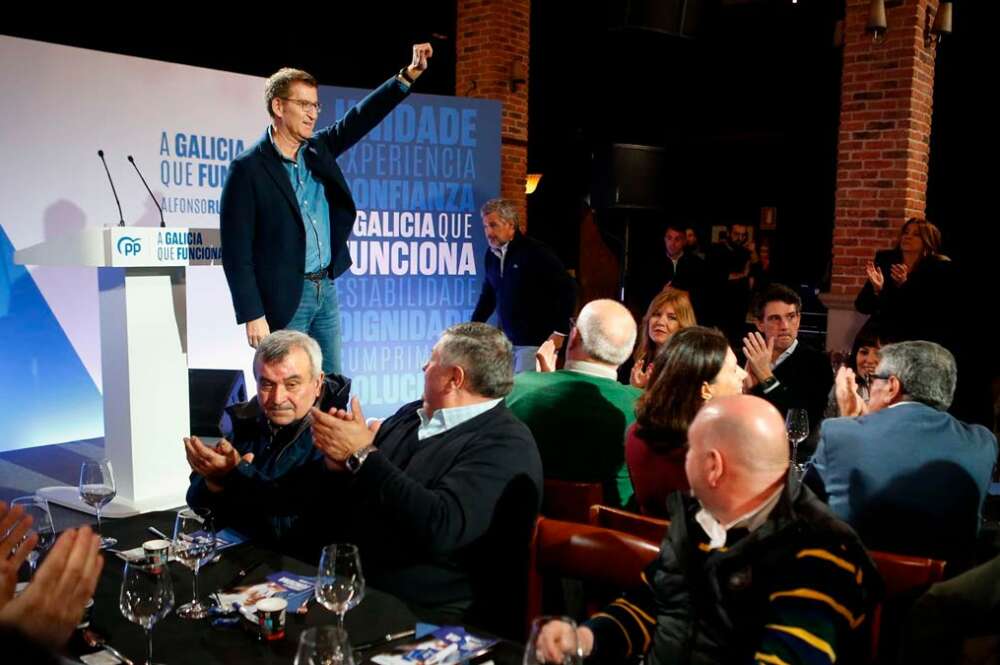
263	238
533	298
910	479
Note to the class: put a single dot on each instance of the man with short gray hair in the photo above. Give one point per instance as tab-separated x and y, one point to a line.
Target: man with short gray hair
441	497
272	435
525	283
907	475
579	414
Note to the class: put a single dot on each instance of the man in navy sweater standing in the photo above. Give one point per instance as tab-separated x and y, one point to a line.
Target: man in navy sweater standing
526	284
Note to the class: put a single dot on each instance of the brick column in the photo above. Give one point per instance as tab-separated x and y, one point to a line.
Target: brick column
885	123
492	37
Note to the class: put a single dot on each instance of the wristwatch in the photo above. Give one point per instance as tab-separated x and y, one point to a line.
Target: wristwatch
767	383
358	457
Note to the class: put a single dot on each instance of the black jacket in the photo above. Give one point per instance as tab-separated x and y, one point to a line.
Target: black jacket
534	297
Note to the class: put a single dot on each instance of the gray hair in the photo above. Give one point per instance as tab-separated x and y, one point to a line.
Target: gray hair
926	371
505	209
484	353
279	344
607	331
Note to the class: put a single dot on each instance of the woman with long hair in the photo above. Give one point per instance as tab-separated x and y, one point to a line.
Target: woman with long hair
695	366
904	280
668	312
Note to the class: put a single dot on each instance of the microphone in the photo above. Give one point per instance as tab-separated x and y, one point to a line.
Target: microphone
155	202
121	217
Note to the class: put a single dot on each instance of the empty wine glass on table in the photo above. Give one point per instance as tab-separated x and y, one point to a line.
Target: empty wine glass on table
193	545
561	643
97	489
147	595
797	424
339	586
38	509
324	645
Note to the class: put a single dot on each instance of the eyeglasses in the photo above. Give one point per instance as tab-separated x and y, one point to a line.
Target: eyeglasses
306	105
881	377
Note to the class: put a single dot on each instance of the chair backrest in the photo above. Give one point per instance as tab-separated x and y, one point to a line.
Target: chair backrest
605	560
902	575
570	501
648	528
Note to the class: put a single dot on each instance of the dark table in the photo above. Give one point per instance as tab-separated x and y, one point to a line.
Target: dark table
180	641
177	640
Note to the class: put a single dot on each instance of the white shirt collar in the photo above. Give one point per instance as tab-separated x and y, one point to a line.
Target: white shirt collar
787	352
905	401
501	253
716	531
446	419
591	369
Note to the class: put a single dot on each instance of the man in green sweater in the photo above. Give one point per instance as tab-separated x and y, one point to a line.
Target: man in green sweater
579	414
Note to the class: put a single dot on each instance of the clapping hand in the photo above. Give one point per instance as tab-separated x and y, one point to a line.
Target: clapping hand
758	352
875	276
899	273
849	403
641	372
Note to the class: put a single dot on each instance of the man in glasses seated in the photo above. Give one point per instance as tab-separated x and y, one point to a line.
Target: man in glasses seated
909	477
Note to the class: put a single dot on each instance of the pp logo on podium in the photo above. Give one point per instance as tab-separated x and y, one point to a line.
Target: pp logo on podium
129	246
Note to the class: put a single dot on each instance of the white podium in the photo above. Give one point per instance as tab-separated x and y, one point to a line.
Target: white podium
143	308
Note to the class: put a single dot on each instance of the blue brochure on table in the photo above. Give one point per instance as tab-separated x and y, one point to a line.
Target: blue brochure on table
294	588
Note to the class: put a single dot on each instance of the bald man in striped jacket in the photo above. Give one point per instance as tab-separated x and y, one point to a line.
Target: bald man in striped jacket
755	570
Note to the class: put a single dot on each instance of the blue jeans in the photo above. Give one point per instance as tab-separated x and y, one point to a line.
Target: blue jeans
318	315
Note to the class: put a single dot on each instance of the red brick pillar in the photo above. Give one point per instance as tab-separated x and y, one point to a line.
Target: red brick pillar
492	39
885	124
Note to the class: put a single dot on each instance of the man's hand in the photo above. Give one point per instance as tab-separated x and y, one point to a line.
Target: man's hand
556	640
875	276
749	381
545	357
421	53
211	464
14	525
257	330
641	372
51	606
339	433
758	353
899	273
849	403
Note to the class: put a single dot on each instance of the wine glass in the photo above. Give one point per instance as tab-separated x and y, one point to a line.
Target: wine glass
340	586
97	489
324	645
147	595
193	545
797	424
38	509
566	642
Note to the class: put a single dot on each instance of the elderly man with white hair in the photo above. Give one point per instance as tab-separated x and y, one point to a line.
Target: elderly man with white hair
753	569
579	414
908	476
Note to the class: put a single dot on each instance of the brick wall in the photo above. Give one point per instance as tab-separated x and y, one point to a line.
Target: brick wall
883	146
492	35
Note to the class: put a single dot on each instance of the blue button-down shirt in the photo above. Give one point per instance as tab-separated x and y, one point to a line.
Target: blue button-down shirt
315	209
